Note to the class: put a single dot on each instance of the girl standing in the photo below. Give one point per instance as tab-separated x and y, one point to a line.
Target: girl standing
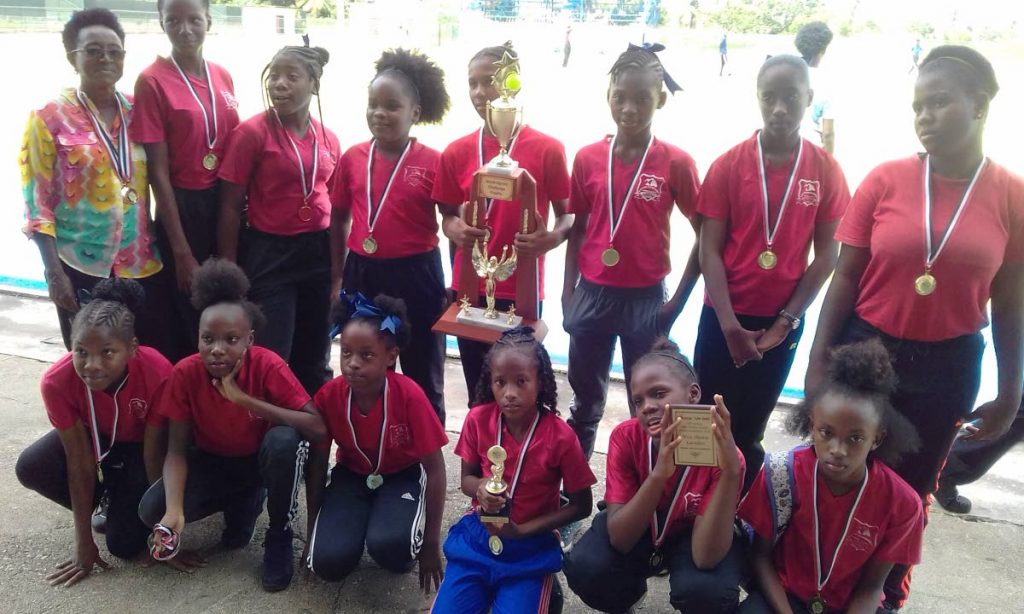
539	154
185	109
385	187
100	399
388	486
510	567
661	516
831	519
623	191
764	204
281	165
929	240
239	427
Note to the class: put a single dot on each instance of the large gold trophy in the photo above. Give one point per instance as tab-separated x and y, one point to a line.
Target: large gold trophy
500	179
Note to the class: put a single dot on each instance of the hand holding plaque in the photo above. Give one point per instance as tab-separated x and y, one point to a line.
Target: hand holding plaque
697	446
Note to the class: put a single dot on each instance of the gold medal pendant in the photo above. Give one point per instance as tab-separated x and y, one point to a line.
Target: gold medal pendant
374	481
305	213
610	257
925	284
129	195
767	259
370	245
656	560
816	605
99	472
494	543
210	161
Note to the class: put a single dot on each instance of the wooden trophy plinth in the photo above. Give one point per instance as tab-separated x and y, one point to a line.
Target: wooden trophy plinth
513	185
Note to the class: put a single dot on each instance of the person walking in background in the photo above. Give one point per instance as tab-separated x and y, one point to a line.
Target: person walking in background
723	53
568	46
818	125
915	53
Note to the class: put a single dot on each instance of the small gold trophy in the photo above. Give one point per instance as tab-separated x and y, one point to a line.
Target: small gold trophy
496	486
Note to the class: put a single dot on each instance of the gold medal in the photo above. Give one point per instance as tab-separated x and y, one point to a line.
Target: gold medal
494	543
210	161
374	481
656	560
99	472
129	195
610	257
767	260
816	605
370	245
925	284
305	213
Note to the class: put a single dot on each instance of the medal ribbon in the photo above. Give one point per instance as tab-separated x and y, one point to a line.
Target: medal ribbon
769	232
480	151
211	130
373	213
817	533
522	454
307	188
613	221
120	157
929	258
659	535
95	426
383	431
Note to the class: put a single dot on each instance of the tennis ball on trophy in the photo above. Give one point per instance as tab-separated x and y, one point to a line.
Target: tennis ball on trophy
512	82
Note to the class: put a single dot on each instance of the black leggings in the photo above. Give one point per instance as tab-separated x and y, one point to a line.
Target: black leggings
610	581
388	520
43	467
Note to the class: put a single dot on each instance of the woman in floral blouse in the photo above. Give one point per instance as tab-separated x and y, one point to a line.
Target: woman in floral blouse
85	187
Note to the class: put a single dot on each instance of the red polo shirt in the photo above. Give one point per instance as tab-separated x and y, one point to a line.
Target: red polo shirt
166	112
260	156
554	455
732	193
541	155
413	429
887	526
219	426
66	397
407	222
886	216
629	466
668	178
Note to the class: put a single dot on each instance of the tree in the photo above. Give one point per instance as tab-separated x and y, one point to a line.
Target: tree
764	16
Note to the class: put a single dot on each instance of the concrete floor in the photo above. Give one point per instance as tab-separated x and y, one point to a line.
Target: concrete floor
971	564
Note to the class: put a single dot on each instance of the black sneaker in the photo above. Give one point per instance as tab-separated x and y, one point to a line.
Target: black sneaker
951	500
278	560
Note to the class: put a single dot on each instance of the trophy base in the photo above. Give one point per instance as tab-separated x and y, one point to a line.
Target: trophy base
501	517
501	166
450	324
478	317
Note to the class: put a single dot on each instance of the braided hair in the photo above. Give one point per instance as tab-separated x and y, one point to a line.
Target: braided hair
113	304
424	81
495	53
862	371
521	339
638	58
968	67
220	281
342	314
313	59
665	352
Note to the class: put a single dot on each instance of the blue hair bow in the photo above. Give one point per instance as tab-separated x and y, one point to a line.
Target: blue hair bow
361	307
670	83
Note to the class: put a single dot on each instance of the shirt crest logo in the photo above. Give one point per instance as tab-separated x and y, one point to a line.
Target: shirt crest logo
415	176
399	436
229	99
863	536
808	192
138	408
649	187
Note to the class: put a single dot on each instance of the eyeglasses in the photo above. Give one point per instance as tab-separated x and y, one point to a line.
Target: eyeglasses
98	53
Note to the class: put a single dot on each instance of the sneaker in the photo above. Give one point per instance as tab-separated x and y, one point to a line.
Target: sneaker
99	517
278	560
951	500
567	533
602	505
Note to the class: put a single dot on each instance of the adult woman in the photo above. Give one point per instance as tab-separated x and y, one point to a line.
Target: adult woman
185	108
926	242
85	185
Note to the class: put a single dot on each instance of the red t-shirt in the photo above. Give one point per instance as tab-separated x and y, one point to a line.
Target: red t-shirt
887	217
260	156
669	176
66	397
541	155
888	526
407	223
413	429
554	455
629	465
219	426
732	193
166	112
